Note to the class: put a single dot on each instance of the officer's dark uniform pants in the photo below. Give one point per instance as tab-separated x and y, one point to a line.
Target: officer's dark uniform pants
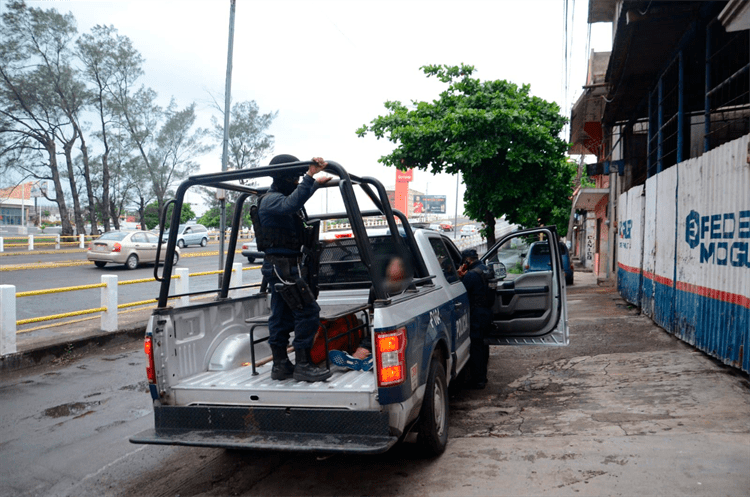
481	319
284	320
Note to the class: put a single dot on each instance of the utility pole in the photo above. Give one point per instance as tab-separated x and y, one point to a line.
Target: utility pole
455	215
225	148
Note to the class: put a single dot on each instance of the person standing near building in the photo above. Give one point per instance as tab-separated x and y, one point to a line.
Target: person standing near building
475	277
280	235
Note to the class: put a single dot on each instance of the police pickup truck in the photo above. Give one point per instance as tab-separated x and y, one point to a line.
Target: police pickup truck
208	367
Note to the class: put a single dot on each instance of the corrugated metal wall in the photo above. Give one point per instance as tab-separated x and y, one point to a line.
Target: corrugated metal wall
684	251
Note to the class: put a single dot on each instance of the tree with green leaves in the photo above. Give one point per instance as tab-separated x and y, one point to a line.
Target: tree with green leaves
248	140
109	62
33	68
151	217
212	217
501	139
164	138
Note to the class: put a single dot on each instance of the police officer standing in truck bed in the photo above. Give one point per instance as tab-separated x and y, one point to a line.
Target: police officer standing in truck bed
293	306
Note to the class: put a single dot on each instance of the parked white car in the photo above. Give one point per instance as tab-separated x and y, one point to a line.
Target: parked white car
469	230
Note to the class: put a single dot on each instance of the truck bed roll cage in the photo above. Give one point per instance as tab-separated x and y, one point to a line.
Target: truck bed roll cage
370	186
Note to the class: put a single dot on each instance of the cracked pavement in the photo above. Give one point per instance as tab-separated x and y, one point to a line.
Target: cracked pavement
626	409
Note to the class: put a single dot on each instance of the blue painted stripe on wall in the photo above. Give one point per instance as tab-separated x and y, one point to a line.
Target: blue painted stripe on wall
718	328
647	297
629	286
664	306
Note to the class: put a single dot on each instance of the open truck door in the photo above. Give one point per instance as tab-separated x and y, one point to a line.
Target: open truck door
530	306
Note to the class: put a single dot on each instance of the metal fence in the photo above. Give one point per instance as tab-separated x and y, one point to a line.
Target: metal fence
108	306
684	251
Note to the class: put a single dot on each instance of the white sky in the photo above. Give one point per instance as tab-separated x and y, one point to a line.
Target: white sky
328	66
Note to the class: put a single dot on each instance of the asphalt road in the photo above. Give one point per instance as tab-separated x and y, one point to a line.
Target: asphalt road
37	271
626	409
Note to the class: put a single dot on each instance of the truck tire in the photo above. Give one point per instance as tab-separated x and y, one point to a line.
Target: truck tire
432	435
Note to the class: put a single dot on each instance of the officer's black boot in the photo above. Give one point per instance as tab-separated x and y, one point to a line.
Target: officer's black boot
306	370
282	369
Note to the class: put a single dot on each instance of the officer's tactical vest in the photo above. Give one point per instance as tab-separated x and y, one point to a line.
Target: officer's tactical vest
276	237
487	298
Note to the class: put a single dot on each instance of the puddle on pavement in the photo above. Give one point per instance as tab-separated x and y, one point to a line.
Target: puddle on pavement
115	358
141	386
71	409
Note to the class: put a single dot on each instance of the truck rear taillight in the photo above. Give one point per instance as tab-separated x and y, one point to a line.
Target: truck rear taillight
148	347
390	349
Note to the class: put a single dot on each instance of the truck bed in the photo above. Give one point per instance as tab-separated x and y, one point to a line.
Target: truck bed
345	389
239	386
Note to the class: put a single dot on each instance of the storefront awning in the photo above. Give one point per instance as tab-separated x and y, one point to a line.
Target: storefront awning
587	198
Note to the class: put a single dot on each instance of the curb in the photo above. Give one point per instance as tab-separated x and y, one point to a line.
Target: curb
68	349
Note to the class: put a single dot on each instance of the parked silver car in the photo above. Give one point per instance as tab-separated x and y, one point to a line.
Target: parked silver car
190	234
126	247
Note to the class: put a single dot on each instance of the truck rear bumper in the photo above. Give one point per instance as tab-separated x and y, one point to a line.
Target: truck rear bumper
270	428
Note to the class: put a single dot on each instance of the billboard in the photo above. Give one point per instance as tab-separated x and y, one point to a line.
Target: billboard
429	204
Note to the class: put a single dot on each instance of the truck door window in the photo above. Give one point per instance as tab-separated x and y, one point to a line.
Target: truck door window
511	254
446	263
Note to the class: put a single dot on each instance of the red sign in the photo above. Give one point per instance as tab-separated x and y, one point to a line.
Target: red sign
404	176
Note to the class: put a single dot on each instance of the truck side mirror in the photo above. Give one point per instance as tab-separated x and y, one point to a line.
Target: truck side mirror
499	269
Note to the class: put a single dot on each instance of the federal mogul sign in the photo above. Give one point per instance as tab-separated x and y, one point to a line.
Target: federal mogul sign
721	239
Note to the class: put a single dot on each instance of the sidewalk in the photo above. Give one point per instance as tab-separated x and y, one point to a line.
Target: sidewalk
72	338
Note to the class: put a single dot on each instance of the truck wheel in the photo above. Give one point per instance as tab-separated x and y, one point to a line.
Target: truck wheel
132	262
433	425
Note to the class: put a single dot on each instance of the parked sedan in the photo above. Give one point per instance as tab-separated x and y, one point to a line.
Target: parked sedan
126	247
